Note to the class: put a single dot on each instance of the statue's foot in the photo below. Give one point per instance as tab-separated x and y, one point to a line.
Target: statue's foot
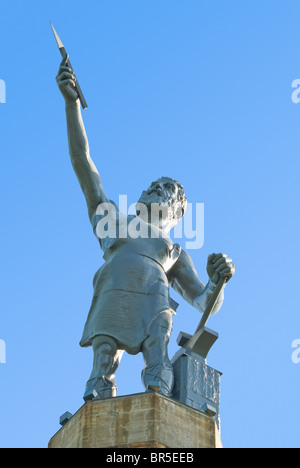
99	389
158	378
158	387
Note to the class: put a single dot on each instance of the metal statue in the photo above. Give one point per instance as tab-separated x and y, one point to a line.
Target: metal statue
131	308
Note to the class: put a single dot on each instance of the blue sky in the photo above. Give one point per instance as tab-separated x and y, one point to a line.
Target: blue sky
198	90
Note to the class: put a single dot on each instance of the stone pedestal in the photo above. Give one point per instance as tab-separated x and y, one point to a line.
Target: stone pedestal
143	420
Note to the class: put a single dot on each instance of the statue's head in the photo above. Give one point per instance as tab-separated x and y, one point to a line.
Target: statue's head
168	195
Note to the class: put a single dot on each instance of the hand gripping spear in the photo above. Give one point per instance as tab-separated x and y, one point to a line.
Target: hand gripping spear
68	63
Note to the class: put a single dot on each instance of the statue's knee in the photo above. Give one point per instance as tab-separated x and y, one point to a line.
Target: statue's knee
161	327
157	339
106	343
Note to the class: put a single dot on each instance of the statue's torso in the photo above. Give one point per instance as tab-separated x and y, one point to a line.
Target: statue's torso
136	265
131	288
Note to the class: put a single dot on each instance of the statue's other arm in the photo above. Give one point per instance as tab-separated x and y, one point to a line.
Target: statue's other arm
184	279
82	163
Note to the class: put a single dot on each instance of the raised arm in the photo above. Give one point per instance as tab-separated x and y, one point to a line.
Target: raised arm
185	280
82	163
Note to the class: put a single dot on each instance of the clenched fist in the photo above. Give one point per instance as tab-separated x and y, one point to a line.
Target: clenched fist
66	81
220	266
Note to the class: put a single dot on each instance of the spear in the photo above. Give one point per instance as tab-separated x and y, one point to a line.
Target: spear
204	338
68	63
212	302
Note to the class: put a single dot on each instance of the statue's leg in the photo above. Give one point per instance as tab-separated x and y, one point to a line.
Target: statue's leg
107	356
158	372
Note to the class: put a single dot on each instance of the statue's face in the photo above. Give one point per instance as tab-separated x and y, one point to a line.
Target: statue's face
163	192
164	195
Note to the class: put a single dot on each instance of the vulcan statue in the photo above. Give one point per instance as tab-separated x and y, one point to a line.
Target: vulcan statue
131	308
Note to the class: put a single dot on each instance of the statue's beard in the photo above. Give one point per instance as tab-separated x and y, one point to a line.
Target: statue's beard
154	206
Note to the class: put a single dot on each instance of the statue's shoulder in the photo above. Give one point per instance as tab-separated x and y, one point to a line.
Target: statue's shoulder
104	210
184	259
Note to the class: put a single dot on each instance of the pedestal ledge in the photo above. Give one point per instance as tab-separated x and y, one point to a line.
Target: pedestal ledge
143	420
